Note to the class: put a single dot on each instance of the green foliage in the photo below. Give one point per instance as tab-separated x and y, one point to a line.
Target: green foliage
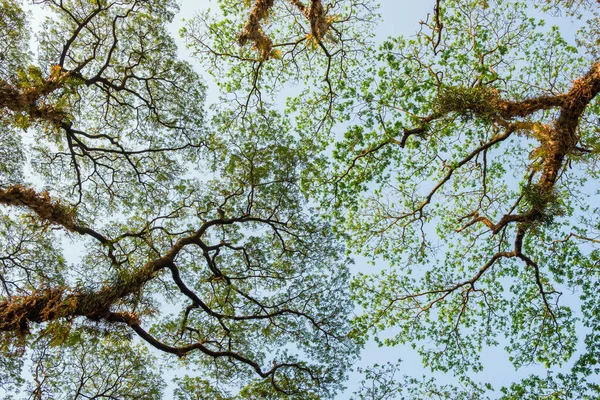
548	204
478	101
382	382
88	366
14	32
195	388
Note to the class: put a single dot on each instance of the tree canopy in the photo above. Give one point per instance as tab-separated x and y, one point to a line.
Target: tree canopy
215	241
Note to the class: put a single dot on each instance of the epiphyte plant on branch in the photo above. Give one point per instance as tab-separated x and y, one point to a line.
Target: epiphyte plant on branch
229	272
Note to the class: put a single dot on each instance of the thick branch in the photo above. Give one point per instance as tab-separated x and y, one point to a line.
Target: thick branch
46	209
253	31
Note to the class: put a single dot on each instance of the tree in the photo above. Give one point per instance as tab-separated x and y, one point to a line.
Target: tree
195	237
475	161
468	165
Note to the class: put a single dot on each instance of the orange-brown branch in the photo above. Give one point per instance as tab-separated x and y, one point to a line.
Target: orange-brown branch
316	16
41	204
28	100
562	137
52	304
253	30
558	139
